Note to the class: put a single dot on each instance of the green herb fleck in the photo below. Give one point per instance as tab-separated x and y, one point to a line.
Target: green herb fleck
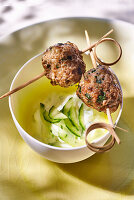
48	65
79	89
61	127
101	97
63	59
88	96
94	70
98	81
57	66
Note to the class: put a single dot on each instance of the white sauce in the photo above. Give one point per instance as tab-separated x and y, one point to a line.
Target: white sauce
60	101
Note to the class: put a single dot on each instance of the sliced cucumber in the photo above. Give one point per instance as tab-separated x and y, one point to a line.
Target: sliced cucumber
42	107
72	114
67	106
81	116
67	137
68	123
64	134
45	115
56	114
47	118
72	128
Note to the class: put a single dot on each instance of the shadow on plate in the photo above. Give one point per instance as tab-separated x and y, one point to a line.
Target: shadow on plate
112	170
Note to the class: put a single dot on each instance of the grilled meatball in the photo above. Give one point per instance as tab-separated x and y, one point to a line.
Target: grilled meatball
99	89
63	64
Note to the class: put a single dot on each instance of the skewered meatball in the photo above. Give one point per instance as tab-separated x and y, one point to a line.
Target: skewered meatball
99	89
63	64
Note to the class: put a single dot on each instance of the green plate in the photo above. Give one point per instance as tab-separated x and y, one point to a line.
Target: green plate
26	175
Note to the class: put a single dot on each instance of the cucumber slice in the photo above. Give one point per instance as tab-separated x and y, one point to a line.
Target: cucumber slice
42	107
67	137
72	128
47	118
68	123
72	114
56	114
81	116
45	115
67	106
64	134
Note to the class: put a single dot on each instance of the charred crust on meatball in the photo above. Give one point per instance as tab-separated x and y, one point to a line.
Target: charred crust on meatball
63	64
102	87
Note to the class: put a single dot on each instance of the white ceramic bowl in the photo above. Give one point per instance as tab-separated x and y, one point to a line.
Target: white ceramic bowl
61	155
56	154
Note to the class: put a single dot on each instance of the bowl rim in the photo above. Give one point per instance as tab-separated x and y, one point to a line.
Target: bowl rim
25	64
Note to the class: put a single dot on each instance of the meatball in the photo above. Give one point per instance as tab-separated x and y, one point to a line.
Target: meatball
99	89
63	64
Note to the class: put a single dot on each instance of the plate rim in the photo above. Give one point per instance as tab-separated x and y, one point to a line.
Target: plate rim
64	18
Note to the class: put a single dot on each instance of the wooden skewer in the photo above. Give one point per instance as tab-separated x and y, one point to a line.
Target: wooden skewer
91	52
93	45
111	122
105	63
42	74
105	147
95	65
122	129
22	86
